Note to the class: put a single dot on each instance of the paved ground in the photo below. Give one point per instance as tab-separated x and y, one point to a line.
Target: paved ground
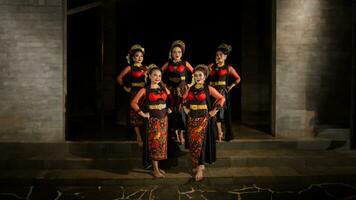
250	168
323	191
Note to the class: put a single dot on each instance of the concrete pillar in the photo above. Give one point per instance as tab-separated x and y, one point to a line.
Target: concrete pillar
313	59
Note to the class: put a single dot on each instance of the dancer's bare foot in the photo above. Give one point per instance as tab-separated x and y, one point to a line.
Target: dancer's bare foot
199	175
157	174
162	172
138	136
140	143
202	167
177	138
182	140
196	169
220	137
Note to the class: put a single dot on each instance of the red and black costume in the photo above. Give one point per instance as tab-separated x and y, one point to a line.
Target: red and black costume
175	75
219	79
136	79
201	132
157	125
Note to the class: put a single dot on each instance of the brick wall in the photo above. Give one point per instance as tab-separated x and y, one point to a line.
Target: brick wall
31	70
313	59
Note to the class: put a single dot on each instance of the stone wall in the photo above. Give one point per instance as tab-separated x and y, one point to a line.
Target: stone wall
313	59
31	70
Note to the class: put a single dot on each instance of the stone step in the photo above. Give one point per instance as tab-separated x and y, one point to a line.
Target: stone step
225	158
110	148
213	176
335	133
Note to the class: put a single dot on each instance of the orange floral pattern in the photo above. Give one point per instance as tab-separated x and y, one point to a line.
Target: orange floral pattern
157	138
196	134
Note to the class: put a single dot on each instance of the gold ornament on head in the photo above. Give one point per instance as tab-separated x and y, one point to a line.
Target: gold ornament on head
203	68
136	47
133	49
177	43
152	67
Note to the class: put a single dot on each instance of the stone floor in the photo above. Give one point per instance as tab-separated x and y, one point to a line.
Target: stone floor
249	168
324	191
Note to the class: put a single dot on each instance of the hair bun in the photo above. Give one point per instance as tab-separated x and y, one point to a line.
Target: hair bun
152	67
136	47
133	49
178	43
202	67
226	48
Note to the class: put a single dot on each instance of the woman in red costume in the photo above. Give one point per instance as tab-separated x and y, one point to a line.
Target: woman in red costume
200	128
157	128
175	73
219	79
137	74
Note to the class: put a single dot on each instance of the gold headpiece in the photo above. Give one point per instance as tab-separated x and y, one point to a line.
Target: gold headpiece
152	67
178	43
202	67
135	47
225	48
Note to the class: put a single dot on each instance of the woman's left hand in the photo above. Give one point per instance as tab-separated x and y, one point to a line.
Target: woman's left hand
230	87
190	85
212	113
186	110
127	89
169	111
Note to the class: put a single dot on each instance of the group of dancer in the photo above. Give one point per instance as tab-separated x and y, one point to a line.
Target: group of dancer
181	102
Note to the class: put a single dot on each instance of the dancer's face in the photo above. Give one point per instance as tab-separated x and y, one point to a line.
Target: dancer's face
177	53
220	57
199	77
156	76
138	57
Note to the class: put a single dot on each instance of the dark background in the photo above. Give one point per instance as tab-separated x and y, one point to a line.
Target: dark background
154	25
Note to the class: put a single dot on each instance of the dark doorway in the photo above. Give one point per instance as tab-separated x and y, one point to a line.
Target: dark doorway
200	25
156	24
83	72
